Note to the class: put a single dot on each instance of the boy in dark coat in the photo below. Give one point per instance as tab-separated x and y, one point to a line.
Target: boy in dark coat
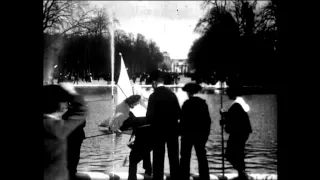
237	124
142	144
163	113
56	100
195	125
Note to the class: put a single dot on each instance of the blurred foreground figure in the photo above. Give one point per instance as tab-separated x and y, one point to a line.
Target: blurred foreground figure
195	125
163	113
237	125
77	107
63	112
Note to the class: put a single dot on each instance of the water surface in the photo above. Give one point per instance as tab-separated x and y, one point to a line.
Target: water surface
107	153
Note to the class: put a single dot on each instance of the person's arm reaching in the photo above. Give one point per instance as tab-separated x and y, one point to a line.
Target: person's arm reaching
75	116
128	123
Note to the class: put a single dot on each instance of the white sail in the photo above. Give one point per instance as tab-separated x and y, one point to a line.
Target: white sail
124	86
125	89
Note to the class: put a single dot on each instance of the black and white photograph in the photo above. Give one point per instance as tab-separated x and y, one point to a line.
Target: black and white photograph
159	90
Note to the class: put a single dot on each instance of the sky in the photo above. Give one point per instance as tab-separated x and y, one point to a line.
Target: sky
169	23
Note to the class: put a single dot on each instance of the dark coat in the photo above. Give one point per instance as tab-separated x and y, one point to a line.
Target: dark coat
142	132
237	121
55	135
133	122
195	118
77	107
163	110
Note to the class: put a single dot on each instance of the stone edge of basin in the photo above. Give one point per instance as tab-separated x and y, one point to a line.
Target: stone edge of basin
124	176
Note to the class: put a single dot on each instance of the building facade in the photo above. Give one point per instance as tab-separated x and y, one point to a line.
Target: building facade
180	66
175	65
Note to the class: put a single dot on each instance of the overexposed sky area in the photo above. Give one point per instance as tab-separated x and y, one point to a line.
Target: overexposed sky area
169	23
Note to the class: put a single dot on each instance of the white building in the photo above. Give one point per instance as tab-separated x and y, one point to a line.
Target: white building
175	65
180	66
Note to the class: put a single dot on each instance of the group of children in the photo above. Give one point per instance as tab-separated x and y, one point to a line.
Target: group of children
64	117
165	121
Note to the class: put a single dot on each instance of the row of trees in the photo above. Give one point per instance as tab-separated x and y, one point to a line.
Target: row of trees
77	38
239	40
84	54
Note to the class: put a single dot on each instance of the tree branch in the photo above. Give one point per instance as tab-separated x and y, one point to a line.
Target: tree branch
46	13
76	24
45	7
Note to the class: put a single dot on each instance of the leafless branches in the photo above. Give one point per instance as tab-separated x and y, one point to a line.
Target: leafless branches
249	17
63	16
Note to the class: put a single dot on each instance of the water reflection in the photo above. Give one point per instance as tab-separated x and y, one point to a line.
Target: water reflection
101	154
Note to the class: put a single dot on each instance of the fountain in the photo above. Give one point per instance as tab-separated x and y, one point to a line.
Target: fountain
111	31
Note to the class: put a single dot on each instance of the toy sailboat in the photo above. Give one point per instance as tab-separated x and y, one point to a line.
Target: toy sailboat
125	89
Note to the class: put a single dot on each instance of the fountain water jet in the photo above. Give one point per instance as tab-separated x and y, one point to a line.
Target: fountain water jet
111	30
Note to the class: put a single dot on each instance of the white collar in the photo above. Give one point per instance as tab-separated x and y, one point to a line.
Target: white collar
53	117
159	85
244	105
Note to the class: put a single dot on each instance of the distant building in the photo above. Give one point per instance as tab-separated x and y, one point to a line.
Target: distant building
175	65
180	66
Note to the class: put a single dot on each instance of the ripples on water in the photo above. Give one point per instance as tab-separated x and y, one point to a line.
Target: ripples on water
102	154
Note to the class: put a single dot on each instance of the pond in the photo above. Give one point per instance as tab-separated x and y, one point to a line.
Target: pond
108	153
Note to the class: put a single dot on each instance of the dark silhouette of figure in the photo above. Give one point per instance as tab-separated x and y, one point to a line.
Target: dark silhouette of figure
142	144
134	79
142	77
148	79
194	126
61	78
237	125
87	77
56	130
163	113
76	78
69	77
75	138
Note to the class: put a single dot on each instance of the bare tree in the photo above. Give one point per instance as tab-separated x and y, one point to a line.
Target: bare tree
249	16
244	12
255	32
267	17
100	23
214	10
63	16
